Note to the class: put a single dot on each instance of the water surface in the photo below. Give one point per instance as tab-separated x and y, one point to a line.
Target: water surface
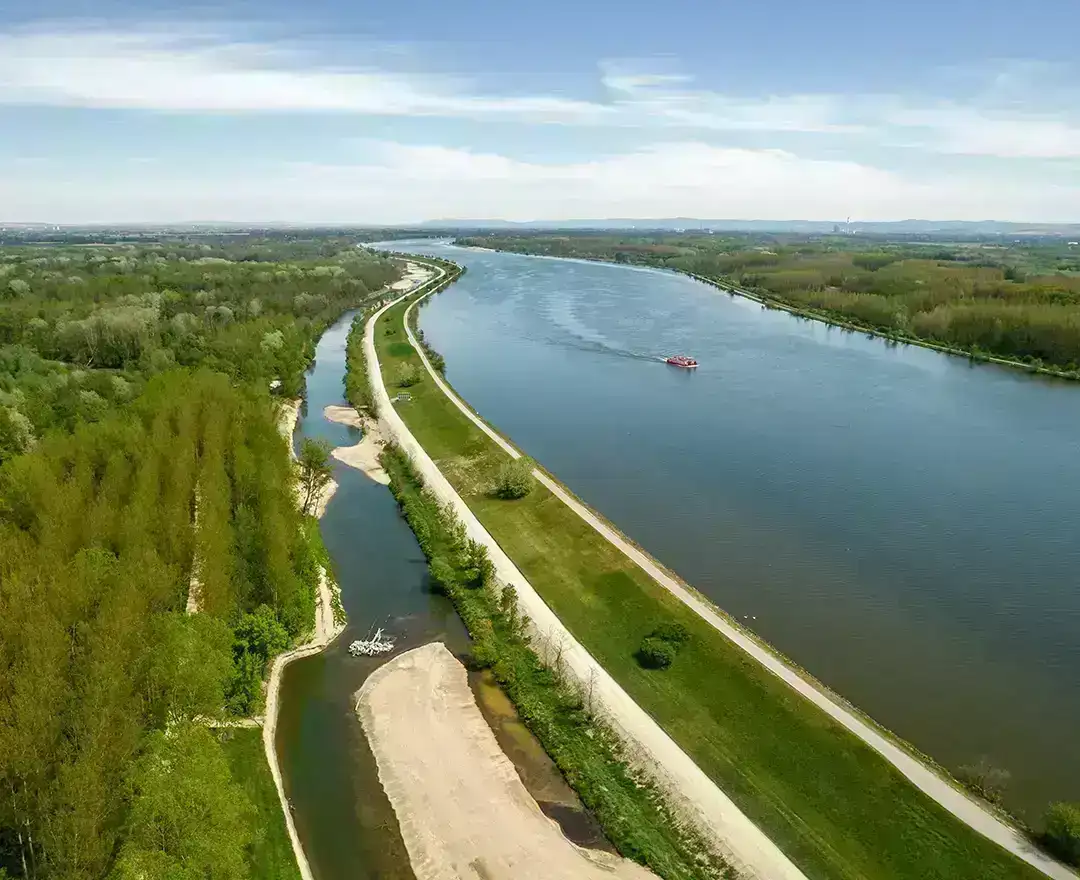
900	522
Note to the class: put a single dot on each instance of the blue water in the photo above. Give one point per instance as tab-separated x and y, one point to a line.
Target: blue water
900	522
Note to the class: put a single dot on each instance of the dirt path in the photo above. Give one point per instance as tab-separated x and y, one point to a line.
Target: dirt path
688	789
364	456
925	778
461	805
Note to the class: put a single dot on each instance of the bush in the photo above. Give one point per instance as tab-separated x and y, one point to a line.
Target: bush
1062	835
656	653
514	479
985	780
408	374
658	648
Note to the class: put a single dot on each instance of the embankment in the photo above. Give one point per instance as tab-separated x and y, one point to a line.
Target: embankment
831	802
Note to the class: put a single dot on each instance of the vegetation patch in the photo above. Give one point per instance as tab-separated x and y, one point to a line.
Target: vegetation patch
514	479
269	854
659	648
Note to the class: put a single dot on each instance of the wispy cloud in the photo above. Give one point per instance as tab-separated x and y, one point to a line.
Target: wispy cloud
192	71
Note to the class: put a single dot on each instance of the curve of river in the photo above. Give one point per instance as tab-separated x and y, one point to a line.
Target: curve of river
899	522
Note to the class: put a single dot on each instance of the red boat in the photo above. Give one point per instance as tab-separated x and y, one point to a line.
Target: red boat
681	360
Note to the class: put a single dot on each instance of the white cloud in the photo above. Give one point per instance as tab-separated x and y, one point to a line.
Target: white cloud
407	183
184	70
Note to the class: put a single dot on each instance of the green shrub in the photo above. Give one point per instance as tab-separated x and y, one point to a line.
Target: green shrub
1062	835
658	649
656	653
514	479
407	375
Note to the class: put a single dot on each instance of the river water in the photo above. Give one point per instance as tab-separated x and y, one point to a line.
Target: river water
344	820
899	522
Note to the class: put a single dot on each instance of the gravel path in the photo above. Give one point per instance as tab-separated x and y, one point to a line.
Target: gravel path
461	806
689	790
926	779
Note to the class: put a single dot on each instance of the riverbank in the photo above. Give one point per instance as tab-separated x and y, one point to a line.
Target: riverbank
328	625
771	301
443	794
696	800
852	829
364	456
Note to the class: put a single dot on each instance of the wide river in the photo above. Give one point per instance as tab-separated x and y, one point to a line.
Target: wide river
902	524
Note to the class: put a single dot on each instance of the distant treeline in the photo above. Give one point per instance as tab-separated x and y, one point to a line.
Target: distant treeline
142	460
1017	302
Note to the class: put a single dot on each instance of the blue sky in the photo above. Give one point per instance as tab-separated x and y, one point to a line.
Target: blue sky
405	111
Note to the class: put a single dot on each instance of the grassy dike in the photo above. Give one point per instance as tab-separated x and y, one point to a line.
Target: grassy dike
632	816
830	802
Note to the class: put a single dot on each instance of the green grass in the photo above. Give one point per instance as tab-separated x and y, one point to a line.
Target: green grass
831	803
271	858
631	814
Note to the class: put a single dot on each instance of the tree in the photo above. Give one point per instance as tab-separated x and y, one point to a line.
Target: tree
514	479
659	648
189	819
408	375
1062	835
314	471
16	432
985	780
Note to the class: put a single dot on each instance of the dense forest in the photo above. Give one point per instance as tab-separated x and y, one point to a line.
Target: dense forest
142	461
1000	298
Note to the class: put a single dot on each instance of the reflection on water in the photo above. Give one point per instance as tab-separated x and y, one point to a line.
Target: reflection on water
900	522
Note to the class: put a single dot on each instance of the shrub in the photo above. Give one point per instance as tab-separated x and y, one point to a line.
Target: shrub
658	648
656	653
408	374
985	780
1062	835
514	479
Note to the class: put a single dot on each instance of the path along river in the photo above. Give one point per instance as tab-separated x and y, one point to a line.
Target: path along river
344	820
899	522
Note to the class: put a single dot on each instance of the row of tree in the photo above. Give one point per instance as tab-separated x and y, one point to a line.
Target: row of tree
141	461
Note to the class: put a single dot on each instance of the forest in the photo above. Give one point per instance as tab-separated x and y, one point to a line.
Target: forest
152	556
992	297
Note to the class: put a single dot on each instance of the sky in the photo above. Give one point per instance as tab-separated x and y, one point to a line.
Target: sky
328	111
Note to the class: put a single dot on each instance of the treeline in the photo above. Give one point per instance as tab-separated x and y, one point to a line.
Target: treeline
1010	302
136	476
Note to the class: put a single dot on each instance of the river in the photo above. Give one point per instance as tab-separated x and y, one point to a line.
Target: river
901	523
345	822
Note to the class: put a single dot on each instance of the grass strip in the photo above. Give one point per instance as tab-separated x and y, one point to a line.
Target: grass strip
631	814
271	856
836	807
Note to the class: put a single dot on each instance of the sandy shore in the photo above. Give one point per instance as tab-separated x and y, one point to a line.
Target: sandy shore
364	456
462	808
289	415
415	275
326	630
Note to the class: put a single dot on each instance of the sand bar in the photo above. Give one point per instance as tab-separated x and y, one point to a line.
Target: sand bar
463	810
364	456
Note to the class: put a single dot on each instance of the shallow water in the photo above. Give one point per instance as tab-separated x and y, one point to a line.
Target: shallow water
344	819
900	522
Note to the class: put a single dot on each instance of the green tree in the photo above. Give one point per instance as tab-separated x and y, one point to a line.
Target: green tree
1062	835
514	479
189	820
314	470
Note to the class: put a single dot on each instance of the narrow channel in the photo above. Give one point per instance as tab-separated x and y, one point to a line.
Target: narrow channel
898	521
344	820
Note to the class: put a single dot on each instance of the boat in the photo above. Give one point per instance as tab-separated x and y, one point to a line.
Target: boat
681	360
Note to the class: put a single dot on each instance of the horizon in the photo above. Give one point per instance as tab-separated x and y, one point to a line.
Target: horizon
173	112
